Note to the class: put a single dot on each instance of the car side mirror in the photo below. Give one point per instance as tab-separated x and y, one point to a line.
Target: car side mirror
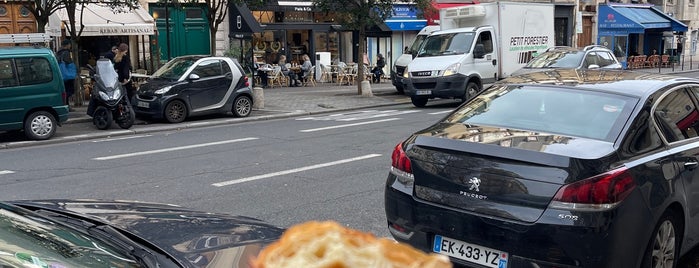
193	77
479	51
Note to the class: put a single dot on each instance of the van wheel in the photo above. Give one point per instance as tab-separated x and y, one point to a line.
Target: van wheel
242	106
419	101
175	111
663	249
40	125
102	118
471	91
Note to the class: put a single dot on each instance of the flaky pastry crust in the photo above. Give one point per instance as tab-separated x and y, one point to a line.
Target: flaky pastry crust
330	245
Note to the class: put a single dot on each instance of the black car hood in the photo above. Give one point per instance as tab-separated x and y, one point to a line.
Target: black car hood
196	239
154	83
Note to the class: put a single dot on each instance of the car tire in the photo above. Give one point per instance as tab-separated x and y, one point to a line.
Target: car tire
102	118
419	101
40	125
400	89
175	111
242	106
471	91
663	248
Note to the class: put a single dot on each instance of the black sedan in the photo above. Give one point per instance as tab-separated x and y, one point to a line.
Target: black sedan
195	85
563	168
93	233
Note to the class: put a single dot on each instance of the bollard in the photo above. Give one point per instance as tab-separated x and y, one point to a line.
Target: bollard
258	98
366	89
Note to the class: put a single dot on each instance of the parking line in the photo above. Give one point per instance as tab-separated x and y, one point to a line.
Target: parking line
172	149
3	172
349	125
295	170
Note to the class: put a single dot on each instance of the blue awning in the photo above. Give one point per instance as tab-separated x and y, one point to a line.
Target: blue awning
629	18
405	25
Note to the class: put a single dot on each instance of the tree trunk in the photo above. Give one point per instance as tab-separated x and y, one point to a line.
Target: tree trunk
361	52
212	37
40	26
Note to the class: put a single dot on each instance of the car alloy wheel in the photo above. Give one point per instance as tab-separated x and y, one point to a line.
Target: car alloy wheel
40	125
242	106
175	111
662	250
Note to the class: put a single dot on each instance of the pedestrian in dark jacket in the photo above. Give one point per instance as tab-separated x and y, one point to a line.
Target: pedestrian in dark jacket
64	55
122	65
378	69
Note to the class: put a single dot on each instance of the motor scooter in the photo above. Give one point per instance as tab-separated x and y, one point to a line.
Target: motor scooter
109	102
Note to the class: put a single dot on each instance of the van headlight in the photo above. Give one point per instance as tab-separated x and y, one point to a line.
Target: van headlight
406	72
163	90
452	69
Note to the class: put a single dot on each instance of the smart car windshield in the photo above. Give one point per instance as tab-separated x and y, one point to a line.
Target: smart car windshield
27	240
446	44
557	59
174	69
577	113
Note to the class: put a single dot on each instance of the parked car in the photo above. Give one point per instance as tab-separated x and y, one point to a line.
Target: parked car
562	168
195	85
590	57
31	92
97	233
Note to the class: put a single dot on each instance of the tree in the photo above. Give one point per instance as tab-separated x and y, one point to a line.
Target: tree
361	14
41	9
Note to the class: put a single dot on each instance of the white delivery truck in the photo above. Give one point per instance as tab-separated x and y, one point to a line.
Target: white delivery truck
407	56
477	45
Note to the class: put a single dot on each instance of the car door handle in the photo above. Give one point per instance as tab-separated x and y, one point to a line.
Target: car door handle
691	165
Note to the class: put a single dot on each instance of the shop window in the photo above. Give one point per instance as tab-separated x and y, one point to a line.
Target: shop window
264	16
296	16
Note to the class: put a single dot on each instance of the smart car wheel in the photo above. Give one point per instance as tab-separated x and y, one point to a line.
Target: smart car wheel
40	125
662	250
102	118
419	101
242	106
470	92
175	111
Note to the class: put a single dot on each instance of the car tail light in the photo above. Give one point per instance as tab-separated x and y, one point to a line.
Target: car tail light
399	160
601	192
247	82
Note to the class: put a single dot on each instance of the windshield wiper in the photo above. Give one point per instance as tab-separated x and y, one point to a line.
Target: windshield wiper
103	232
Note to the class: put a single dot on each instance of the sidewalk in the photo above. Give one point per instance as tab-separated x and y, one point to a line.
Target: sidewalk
324	97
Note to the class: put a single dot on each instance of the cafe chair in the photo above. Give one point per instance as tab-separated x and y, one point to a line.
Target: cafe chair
276	76
309	79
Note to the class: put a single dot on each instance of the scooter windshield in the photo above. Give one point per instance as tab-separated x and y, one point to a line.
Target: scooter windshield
107	75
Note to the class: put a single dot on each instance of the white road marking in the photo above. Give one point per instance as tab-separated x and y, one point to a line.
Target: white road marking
359	115
172	149
4	172
349	125
296	170
442	112
382	114
123	138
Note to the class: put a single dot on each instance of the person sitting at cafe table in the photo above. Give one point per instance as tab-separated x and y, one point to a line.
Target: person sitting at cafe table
306	66
291	75
261	72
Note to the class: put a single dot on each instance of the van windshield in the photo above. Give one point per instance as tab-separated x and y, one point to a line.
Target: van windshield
416	44
446	44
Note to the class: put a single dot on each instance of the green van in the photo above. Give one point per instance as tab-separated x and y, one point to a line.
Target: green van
31	92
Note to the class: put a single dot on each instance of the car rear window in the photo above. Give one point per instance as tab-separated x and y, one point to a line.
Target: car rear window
566	111
557	59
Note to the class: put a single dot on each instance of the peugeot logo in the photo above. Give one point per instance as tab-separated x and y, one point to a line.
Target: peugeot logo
475	183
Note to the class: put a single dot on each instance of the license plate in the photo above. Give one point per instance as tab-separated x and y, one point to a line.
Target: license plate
423	92
470	252
143	104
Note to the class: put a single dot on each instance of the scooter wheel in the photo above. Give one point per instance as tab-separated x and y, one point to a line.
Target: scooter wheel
128	117
102	118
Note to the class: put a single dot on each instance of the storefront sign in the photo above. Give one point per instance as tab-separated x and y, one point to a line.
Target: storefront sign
303	9
126	30
404	12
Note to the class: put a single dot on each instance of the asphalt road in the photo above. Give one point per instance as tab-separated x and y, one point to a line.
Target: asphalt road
321	167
